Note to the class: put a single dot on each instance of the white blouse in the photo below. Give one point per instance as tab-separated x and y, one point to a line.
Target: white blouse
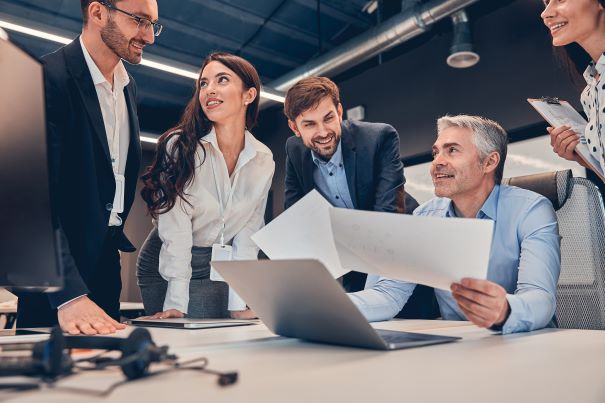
593	101
200	224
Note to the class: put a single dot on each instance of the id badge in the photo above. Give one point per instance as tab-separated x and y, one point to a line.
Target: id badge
219	252
118	199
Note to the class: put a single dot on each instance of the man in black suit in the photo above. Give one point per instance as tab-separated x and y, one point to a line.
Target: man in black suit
95	154
352	164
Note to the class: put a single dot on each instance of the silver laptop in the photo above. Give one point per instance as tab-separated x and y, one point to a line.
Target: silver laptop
299	298
190	323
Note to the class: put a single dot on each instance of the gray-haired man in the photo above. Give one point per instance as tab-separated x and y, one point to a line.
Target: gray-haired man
524	264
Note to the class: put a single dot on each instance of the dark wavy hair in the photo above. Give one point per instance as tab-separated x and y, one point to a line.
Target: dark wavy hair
173	167
574	59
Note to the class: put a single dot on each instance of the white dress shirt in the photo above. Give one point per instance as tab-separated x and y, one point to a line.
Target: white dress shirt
200	224
115	116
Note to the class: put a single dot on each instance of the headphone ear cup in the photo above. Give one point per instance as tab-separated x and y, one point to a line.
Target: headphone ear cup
51	356
60	361
139	343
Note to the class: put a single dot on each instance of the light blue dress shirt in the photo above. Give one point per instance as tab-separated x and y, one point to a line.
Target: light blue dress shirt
525	259
331	179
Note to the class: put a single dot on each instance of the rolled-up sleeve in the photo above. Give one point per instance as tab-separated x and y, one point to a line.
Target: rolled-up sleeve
533	304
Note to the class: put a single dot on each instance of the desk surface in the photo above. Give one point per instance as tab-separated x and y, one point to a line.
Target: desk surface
549	365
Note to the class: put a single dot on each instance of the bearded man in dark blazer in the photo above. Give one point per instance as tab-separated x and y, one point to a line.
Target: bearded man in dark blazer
94	154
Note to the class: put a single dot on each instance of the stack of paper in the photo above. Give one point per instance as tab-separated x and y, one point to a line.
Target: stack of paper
426	250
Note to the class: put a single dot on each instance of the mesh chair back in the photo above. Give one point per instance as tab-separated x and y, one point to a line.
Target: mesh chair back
581	217
581	289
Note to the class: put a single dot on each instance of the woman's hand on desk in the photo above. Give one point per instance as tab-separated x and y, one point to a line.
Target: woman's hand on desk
171	313
245	314
564	141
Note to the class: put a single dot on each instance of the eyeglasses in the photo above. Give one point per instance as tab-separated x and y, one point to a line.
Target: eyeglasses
142	22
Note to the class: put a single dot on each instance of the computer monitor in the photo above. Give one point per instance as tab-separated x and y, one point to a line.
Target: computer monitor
29	256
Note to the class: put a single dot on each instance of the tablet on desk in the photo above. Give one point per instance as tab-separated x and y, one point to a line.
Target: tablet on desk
11	336
189	323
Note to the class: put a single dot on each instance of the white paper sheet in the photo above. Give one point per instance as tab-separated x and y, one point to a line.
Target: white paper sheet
302	232
433	251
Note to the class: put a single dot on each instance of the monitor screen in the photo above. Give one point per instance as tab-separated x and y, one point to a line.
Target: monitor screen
28	252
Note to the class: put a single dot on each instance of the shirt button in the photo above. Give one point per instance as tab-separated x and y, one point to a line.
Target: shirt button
109	206
331	174
340	165
337	197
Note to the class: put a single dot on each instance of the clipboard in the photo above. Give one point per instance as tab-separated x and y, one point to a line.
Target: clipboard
558	113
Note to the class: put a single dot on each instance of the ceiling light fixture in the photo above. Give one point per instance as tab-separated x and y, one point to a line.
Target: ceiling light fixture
370	7
149	139
151	63
461	53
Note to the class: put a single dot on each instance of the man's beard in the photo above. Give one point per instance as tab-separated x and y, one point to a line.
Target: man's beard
118	43
324	154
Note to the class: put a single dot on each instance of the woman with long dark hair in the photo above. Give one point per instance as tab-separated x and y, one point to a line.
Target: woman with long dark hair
578	30
207	191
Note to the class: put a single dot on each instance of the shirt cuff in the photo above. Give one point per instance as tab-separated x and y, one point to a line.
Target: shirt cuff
236	303
177	295
71	300
513	322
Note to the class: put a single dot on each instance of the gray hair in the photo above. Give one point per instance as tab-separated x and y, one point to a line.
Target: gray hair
488	136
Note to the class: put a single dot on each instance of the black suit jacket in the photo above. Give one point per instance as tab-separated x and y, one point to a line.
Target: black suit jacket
82	180
372	162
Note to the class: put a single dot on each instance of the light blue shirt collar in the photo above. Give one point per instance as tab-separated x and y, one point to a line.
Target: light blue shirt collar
336	159
488	210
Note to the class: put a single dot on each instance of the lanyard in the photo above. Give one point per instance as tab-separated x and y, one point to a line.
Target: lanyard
220	197
114	146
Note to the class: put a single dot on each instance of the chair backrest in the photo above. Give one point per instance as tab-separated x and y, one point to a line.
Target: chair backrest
581	216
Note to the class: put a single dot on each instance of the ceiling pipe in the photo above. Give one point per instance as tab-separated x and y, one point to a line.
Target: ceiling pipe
394	31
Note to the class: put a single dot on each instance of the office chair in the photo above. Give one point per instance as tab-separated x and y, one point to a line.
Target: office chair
581	216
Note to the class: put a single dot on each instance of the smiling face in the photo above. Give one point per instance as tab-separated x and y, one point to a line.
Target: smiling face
319	127
572	20
223	95
457	169
121	33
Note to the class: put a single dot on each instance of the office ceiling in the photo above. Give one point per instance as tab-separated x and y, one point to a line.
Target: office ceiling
275	35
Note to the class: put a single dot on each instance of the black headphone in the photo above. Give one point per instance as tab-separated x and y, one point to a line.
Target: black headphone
51	359
138	351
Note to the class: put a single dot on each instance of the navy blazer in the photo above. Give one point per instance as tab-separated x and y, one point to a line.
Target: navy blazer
82	179
372	162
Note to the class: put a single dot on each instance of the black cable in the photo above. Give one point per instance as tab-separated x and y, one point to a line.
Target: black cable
91	359
260	28
113	363
319	43
224	378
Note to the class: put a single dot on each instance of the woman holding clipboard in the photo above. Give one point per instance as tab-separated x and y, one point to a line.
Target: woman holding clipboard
578	26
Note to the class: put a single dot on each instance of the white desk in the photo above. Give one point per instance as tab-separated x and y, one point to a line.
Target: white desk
545	366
